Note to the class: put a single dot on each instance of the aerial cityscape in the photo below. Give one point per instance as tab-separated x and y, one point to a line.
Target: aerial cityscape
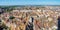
29	17
29	14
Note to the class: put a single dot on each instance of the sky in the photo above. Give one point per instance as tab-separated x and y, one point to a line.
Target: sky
29	2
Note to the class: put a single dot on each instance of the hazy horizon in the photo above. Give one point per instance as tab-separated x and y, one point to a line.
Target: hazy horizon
29	2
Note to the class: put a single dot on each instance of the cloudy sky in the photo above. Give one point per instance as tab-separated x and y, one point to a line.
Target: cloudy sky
29	2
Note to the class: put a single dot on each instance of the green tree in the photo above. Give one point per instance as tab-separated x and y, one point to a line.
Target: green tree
11	17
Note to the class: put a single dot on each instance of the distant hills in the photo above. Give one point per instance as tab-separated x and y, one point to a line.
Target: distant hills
24	5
